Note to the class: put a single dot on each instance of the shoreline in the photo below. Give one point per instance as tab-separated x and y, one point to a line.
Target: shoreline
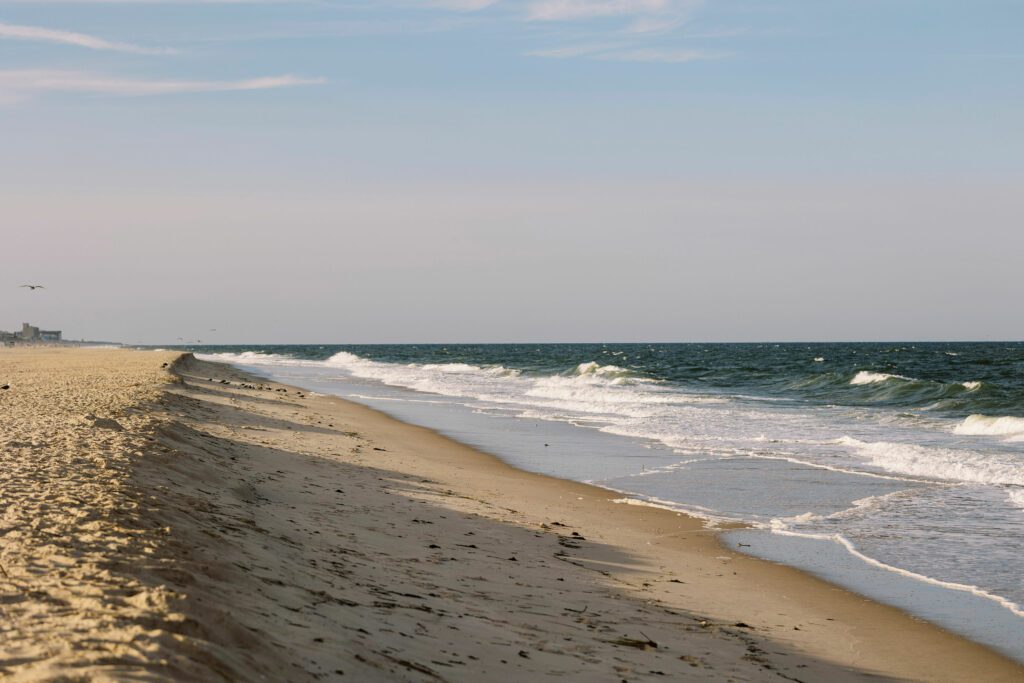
781	577
309	537
961	608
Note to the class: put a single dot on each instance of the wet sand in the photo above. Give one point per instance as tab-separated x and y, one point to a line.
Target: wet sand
202	524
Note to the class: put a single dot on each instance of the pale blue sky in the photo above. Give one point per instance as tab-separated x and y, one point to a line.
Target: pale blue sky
490	171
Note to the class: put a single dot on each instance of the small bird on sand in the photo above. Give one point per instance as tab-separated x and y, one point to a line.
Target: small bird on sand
34	287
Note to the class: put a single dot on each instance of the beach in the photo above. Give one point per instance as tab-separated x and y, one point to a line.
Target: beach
170	518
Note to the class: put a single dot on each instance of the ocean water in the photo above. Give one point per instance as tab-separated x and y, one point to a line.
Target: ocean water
895	469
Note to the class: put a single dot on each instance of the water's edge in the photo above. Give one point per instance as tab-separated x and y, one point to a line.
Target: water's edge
513	439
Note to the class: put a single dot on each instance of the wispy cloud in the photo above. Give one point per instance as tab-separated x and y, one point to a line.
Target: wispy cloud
569	10
667	56
461	5
715	33
574	10
570	51
607	30
20	83
611	52
49	35
656	23
640	25
152	2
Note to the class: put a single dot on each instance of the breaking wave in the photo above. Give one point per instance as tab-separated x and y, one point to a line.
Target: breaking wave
589	388
983	425
869	377
943	464
257	358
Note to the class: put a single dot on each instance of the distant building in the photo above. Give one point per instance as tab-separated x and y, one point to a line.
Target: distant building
31	333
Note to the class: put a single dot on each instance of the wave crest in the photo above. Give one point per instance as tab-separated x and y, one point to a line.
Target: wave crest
943	464
254	358
983	425
594	369
869	377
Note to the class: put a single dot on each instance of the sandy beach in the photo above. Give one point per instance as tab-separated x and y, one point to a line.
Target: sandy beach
165	518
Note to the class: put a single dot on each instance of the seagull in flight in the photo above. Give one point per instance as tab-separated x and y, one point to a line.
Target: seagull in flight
34	287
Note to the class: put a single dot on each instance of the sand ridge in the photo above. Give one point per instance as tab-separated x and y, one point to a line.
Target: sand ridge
73	530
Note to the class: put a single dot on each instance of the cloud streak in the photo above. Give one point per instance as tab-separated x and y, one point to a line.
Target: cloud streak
576	10
152	2
460	5
639	23
623	53
20	83
665	56
570	51
47	35
570	10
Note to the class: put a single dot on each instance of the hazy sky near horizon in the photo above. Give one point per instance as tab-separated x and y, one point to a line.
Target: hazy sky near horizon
512	170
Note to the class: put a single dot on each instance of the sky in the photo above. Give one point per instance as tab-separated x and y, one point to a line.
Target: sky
357	171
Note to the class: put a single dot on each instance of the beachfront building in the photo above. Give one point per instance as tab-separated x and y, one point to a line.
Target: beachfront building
31	333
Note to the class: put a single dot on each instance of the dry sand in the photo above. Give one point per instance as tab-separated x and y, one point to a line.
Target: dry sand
207	525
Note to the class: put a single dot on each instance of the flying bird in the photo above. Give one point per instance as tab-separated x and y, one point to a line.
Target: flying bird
34	287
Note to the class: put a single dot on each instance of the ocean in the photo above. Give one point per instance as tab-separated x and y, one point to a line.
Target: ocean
895	469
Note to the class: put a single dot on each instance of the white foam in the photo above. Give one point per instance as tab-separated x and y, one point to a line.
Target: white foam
590	388
850	548
615	400
785	522
1016	497
395	399
830	468
943	464
599	370
697	511
982	425
869	377
256	358
667	468
860	506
